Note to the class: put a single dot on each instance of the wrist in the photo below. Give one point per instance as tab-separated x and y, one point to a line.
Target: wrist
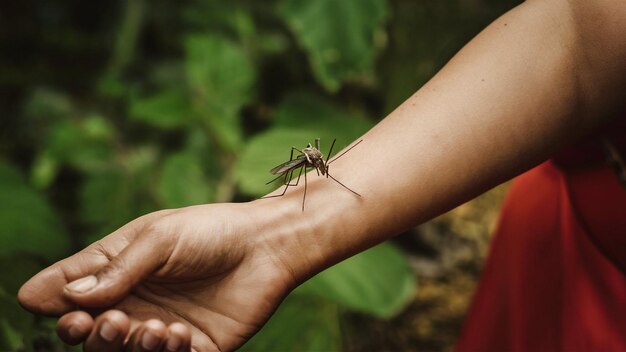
329	230
283	233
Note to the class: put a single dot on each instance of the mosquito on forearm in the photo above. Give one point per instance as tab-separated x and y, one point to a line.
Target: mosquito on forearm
310	157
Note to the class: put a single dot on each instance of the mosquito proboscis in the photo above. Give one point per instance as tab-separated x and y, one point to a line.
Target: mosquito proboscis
310	157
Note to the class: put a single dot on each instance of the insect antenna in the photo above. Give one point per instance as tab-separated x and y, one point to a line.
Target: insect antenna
328	161
345	151
340	155
330	151
328	157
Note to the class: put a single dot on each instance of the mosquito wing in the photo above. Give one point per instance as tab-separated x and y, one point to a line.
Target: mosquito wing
291	164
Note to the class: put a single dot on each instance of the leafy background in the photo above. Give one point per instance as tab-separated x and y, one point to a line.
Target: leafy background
114	109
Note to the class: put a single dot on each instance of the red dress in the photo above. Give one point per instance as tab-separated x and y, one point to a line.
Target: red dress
555	278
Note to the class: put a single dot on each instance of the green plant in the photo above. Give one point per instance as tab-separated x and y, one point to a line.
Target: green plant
173	136
188	103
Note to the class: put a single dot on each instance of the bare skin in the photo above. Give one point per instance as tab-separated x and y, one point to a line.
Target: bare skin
207	277
183	266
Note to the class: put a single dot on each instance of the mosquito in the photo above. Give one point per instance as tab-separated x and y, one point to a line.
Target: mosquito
310	157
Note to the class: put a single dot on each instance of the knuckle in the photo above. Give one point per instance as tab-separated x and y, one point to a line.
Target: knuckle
116	269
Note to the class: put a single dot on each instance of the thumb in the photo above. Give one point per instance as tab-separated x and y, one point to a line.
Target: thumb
112	282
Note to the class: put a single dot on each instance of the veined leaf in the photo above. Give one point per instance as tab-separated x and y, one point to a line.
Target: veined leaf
16	325
106	202
83	143
183	182
27	223
167	109
221	78
300	324
305	112
46	104
377	281
338	36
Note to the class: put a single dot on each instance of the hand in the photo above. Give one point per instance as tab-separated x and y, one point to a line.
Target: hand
201	277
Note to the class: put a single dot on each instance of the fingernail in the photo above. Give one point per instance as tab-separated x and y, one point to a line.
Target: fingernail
108	332
74	332
82	285
173	343
149	341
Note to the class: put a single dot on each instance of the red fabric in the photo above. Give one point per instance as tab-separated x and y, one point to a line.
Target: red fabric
554	279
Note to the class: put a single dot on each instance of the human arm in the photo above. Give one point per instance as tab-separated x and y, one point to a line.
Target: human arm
536	79
507	101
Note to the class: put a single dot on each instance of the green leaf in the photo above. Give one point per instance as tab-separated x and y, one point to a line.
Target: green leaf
111	85
46	104
98	128
377	281
27	223
183	182
221	78
44	170
23	267
167	109
299	120
107	202
16	325
338	36
10	339
300	324
216	17
85	143
305	112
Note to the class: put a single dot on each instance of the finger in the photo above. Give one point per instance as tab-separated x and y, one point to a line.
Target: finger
74	327
43	293
114	281
178	338
149	336
109	333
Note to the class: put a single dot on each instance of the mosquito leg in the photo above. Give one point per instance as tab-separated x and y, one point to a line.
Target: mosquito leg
276	178
290	172
297	179
279	176
286	183
299	174
344	186
304	196
288	175
291	154
291	178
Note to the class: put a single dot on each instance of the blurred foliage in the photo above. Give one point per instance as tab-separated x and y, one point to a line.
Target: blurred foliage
111	110
341	38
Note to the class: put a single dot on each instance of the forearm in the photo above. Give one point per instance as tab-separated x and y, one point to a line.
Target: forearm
512	97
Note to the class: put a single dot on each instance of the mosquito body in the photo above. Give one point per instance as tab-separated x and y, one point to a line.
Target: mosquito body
310	157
